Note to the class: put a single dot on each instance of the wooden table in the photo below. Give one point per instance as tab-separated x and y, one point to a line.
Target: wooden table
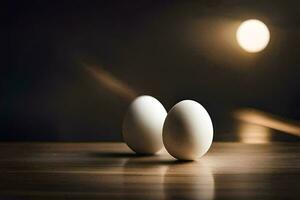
112	171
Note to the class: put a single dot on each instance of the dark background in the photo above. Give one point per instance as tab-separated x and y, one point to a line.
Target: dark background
173	50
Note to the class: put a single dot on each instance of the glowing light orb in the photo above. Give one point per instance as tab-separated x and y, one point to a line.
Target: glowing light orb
253	35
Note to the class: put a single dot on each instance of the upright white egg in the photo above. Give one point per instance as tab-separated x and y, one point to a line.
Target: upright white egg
187	131
143	124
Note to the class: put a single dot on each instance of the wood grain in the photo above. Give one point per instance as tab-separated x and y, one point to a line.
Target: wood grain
112	171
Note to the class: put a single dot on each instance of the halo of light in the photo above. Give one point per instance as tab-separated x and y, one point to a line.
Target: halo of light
253	35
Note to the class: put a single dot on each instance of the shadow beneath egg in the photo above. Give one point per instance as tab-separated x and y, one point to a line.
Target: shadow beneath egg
155	162
117	155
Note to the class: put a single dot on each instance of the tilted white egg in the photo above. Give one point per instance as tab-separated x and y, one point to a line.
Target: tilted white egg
143	123
187	131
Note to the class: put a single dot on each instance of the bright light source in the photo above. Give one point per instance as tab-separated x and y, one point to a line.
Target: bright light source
253	35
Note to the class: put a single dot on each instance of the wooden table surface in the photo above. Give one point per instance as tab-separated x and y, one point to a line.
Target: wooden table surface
112	171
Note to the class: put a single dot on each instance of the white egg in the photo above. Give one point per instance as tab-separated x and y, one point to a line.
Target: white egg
143	123
187	131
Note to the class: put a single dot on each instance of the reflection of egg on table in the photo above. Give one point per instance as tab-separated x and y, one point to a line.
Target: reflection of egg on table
187	131
142	126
